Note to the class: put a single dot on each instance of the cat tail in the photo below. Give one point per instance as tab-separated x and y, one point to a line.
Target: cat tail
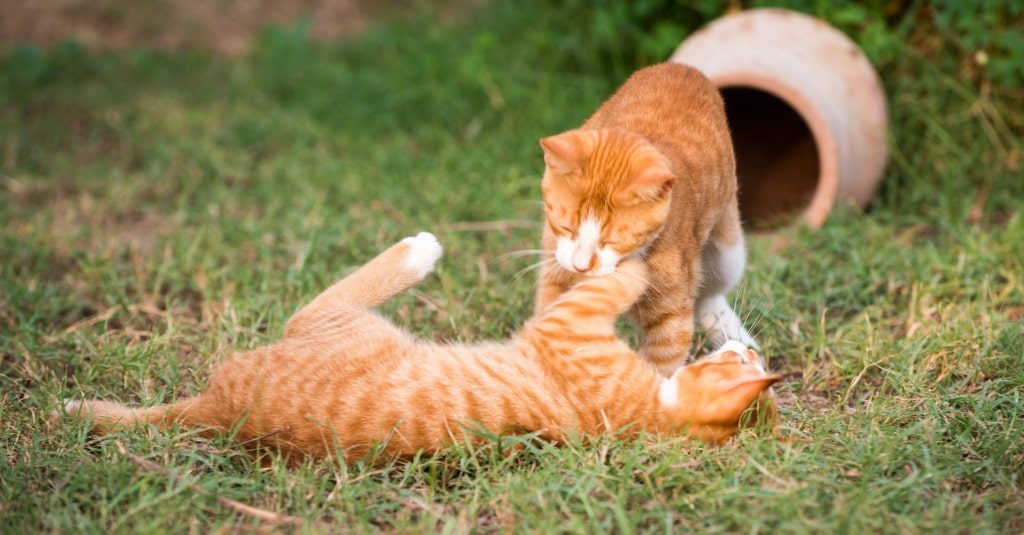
107	416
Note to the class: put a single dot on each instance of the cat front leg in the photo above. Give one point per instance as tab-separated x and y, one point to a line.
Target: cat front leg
551	284
668	334
666	313
591	306
552	280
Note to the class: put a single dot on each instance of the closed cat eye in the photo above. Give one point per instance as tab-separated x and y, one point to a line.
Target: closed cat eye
567	229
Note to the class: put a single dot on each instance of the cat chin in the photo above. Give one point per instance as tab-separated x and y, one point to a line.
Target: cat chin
599	272
607	258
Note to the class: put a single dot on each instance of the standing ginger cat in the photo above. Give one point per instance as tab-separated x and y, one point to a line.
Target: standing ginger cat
343	378
651	173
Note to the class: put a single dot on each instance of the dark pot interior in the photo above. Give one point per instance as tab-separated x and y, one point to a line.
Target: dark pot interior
776	157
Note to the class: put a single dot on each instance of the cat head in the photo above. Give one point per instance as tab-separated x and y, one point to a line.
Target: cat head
606	196
707	397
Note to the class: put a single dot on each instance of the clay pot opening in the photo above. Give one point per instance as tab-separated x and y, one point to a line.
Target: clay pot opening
807	111
778	159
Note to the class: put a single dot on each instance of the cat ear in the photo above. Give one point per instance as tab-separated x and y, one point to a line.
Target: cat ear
561	154
739	394
655	181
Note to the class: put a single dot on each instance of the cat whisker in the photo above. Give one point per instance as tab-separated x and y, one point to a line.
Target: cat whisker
524	252
751	310
763	315
753	315
634	276
651	288
737	302
757	327
515	278
738	297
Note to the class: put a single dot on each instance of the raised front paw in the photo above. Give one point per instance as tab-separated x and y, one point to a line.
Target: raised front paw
424	252
634	274
633	266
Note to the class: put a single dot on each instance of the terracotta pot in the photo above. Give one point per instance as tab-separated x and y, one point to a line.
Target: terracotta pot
806	108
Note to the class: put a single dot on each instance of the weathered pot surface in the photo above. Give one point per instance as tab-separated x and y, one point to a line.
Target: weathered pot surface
806	108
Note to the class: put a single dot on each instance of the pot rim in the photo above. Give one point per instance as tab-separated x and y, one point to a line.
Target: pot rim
827	188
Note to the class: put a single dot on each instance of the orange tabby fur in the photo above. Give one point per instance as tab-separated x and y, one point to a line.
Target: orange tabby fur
343	378
652	172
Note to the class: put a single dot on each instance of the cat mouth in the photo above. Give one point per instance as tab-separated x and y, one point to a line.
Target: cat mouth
594	271
601	268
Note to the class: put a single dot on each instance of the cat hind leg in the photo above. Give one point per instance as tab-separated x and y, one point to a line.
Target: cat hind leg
721	323
723	267
398	268
390	273
424	252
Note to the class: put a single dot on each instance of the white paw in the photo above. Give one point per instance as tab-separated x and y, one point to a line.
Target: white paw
424	252
73	406
733	346
721	323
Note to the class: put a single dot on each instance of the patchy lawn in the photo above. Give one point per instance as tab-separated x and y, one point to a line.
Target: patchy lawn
159	210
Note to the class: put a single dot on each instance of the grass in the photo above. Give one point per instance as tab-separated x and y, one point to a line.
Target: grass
160	210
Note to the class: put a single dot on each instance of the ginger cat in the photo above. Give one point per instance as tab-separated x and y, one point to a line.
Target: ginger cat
343	378
651	173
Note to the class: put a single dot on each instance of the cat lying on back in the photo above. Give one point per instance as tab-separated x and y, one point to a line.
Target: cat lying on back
344	378
651	172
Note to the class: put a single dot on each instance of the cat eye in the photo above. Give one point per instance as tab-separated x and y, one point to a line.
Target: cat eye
567	229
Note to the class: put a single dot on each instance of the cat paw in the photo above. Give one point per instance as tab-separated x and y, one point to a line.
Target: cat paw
749	341
71	408
733	346
632	274
424	252
721	323
634	267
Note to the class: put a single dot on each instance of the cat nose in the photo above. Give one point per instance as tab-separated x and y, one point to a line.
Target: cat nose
582	259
